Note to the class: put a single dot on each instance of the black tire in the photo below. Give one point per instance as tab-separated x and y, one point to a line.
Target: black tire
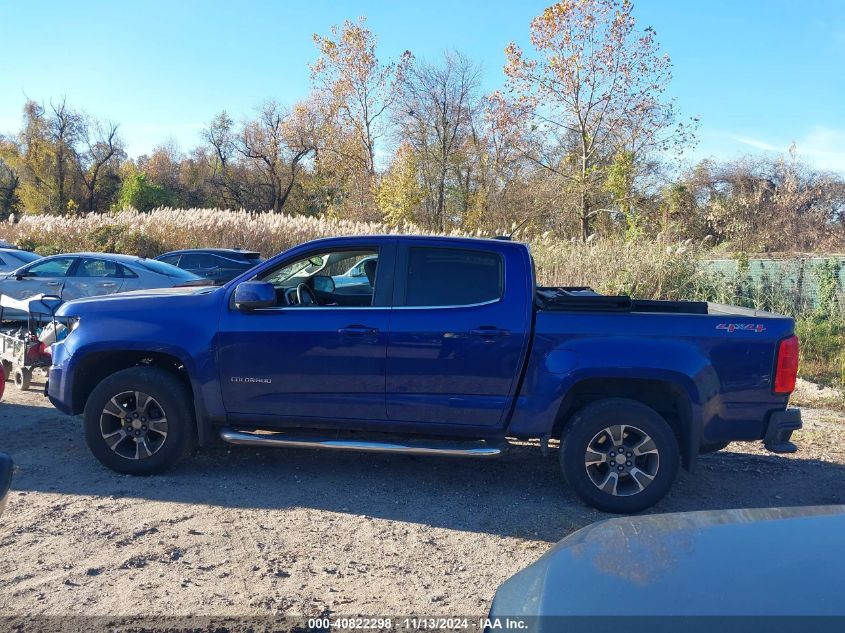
704	449
171	400
8	368
22	377
585	431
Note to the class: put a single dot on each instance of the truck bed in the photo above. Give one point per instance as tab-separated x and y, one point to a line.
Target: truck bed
585	299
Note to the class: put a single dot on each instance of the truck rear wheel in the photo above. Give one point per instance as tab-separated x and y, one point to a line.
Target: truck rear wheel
140	421
619	455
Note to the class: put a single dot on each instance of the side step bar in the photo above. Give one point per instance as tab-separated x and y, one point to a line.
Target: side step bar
469	448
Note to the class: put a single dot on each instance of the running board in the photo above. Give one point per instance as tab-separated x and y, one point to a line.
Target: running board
469	448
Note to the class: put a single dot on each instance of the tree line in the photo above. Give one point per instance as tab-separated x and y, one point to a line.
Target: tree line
581	140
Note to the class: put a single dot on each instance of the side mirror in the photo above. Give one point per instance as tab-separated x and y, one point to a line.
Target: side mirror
323	283
22	275
251	295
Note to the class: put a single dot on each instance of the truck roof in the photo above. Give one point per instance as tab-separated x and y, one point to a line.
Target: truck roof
490	241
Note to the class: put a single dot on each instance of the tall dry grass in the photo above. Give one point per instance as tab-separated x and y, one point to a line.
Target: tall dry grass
650	270
643	269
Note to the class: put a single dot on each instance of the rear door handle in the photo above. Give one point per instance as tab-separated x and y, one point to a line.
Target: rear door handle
357	330
108	284
489	332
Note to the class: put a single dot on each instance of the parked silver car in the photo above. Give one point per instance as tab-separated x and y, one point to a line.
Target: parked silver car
13	258
76	275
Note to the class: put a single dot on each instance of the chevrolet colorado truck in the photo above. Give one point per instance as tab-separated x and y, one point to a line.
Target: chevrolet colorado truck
444	346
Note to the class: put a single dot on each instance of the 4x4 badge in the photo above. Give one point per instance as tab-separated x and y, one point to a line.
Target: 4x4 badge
749	327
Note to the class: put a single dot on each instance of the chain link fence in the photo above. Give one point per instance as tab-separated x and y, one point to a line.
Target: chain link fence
795	285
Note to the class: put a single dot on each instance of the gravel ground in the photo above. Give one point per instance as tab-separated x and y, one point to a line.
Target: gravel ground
242	531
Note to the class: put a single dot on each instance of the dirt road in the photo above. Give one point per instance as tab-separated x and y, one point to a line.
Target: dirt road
239	531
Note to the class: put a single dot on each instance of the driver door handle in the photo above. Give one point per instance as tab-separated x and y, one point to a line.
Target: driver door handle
488	332
357	330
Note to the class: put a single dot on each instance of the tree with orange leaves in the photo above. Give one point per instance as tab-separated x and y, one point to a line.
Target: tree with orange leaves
355	91
593	86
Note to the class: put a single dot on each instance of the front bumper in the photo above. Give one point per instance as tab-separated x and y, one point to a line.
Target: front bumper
779	431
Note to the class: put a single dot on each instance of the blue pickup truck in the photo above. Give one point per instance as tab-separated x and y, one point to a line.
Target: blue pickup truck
445	346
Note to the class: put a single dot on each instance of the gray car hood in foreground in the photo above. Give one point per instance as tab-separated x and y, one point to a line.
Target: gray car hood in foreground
773	562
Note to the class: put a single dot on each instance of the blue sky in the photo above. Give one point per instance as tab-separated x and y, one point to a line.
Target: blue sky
760	74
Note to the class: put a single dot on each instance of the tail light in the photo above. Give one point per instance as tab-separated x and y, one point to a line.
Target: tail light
786	367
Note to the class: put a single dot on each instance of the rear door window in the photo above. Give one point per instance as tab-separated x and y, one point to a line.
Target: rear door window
90	267
452	277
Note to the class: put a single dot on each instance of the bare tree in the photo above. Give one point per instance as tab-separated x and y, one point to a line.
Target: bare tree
221	138
9	183
101	146
65	126
278	141
435	115
592	74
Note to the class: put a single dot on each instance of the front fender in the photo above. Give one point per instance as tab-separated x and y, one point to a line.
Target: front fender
114	335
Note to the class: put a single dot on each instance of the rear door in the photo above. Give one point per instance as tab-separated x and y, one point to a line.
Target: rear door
93	277
458	334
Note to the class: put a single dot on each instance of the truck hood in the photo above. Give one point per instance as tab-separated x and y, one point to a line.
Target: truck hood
135	299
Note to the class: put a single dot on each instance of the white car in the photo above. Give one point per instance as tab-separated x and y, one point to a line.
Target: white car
77	275
355	276
13	258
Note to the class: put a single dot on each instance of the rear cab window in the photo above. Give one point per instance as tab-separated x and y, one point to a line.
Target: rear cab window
447	277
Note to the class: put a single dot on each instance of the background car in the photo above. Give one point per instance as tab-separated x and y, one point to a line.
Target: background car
747	562
76	275
356	275
218	264
5	479
13	258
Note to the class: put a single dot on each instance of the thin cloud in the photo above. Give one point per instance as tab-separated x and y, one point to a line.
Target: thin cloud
758	144
822	147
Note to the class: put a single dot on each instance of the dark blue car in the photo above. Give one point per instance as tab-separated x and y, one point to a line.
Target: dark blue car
217	264
446	347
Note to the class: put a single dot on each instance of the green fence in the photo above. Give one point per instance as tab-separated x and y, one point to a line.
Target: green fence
806	282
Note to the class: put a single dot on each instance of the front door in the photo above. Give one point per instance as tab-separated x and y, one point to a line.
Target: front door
323	362
47	276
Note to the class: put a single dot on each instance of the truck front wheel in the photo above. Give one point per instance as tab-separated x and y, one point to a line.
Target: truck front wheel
619	455
139	421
